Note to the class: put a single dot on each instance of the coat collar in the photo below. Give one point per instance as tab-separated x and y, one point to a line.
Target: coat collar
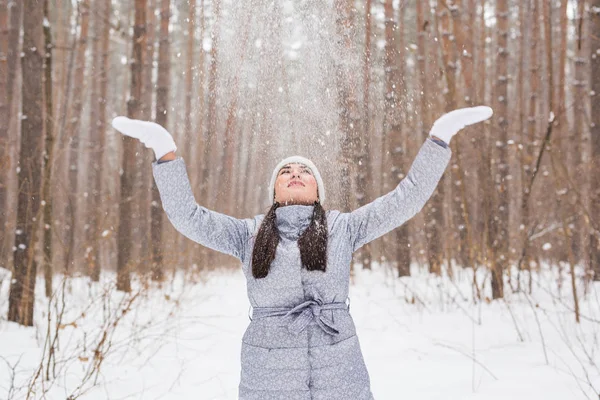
294	219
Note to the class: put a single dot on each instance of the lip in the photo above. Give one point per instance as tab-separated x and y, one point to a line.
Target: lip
294	183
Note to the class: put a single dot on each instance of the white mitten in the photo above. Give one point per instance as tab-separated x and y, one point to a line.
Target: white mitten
151	134
449	124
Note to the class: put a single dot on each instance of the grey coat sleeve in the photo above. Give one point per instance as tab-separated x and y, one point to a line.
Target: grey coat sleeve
388	212
209	228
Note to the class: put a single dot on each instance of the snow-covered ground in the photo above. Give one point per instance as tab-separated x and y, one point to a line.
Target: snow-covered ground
422	338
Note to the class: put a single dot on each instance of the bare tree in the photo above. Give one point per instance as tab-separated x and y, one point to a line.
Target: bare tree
22	288
125	234
212	153
4	116
363	149
13	51
457	245
47	199
162	101
97	135
462	23
393	127
143	171
74	133
595	134
498	217
433	207
527	160
188	136
346	82
581	121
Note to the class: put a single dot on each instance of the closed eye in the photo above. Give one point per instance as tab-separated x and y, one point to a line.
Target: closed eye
287	169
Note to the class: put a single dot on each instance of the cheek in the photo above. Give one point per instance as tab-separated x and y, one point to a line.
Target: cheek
280	184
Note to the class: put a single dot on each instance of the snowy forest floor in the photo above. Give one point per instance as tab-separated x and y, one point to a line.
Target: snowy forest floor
422	338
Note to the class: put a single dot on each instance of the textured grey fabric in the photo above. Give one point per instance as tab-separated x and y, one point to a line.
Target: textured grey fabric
294	357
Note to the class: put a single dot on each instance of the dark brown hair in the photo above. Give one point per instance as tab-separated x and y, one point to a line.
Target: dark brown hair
312	242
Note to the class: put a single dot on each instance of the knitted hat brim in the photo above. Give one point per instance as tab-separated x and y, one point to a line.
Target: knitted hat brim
299	160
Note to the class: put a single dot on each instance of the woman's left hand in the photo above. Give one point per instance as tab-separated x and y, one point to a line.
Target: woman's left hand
449	124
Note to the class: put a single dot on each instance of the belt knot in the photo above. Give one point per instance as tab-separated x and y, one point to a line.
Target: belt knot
305	313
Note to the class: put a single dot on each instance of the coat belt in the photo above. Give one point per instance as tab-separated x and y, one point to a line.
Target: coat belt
306	312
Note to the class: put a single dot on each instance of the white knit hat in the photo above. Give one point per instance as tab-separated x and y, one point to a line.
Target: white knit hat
299	160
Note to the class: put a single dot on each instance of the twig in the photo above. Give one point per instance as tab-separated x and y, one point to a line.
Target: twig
514	320
467	355
537	320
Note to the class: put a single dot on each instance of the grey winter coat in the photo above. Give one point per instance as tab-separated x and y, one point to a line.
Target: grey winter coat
312	353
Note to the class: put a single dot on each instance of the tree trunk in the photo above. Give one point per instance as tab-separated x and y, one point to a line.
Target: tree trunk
162	103
74	133
97	137
5	112
212	153
348	107
528	137
455	236
48	158
580	92
188	132
362	156
125	234
435	206
433	214
142	234
595	135
462	27
499	217
462	23
484	183
201	181
232	128
13	63
392	128
94	132
22	288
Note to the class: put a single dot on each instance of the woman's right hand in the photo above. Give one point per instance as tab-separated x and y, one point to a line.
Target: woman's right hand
151	134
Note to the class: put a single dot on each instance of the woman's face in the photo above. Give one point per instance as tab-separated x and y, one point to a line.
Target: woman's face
295	184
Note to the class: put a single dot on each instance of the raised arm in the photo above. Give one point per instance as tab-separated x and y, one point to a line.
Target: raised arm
389	211
393	209
209	228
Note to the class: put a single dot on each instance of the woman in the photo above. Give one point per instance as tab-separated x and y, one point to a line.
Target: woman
301	342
